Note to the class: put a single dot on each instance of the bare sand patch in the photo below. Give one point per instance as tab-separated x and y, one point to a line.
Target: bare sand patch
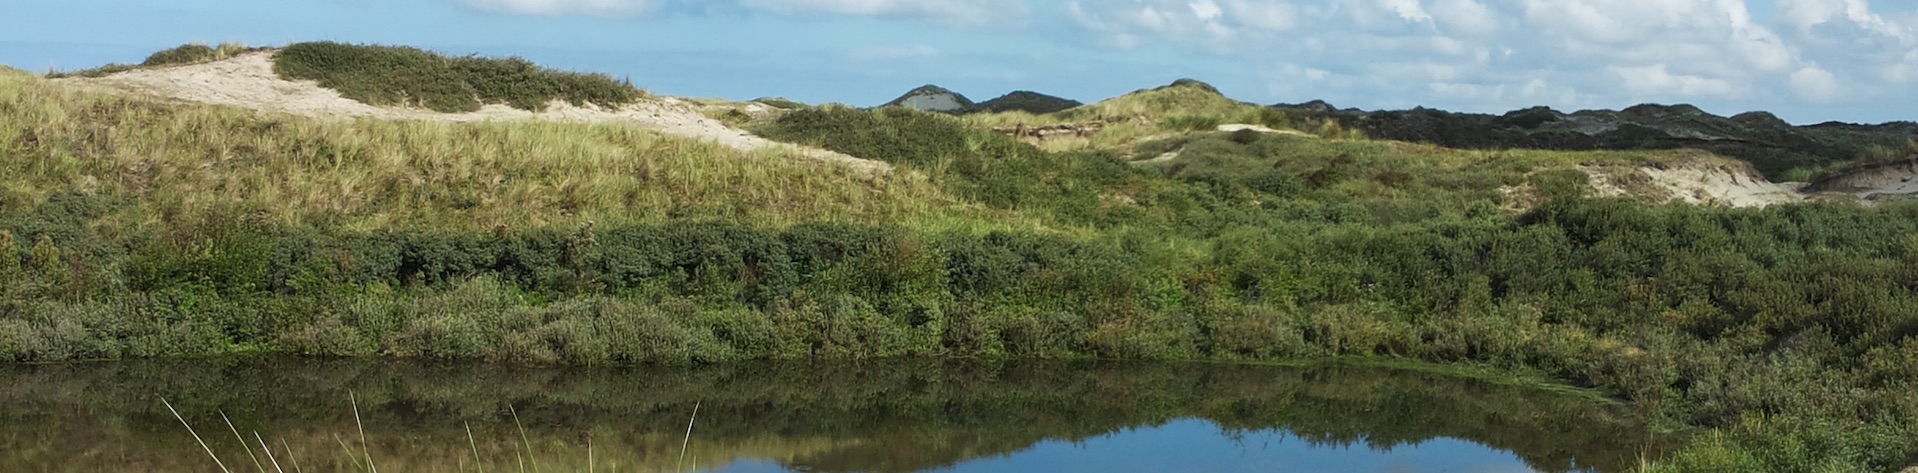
1702	180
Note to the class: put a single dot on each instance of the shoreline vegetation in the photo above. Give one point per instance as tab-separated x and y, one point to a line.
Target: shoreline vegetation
137	228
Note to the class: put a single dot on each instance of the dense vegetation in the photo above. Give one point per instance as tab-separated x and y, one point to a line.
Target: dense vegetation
390	75
1788	331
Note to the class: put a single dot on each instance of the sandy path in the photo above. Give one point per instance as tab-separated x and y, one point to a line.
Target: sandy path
248	81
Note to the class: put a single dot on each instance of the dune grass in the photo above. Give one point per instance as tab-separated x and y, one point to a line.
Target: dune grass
1171	111
393	75
178	160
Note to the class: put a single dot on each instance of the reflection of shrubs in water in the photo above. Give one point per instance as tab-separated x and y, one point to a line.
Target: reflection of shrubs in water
922	414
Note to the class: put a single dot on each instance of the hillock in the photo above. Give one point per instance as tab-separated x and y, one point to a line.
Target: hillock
1778	149
1026	101
933	98
183	54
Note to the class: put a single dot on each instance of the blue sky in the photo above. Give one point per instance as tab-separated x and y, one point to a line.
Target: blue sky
1806	60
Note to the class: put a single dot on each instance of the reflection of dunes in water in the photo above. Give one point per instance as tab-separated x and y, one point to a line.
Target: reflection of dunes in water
51	449
880	417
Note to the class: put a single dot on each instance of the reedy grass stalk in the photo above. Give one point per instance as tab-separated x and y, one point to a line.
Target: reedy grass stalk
478	463
689	438
243	445
349	453
350	396
196	436
269	452
290	457
523	439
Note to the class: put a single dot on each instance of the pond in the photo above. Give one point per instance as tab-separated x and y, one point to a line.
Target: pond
881	417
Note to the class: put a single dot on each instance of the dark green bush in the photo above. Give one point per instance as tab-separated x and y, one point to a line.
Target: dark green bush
392	75
1190	123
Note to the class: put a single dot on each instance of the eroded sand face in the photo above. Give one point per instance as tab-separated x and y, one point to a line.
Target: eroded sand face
248	81
1702	181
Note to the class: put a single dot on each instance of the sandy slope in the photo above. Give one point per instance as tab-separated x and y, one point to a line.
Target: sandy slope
1890	180
1703	180
248	81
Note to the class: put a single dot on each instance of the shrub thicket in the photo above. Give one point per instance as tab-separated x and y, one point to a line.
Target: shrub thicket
393	75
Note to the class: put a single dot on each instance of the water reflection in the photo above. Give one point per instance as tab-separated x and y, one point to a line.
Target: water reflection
895	416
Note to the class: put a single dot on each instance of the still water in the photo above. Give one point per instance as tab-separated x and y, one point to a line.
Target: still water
880	417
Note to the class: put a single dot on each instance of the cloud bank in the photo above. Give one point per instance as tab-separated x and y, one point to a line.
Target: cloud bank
1472	54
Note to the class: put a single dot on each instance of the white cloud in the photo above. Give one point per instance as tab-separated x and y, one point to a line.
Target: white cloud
959	13
1809	14
1263	15
1409	10
956	13
1465	16
612	8
1656	81
1201	22
1815	83
1207	10
1564	53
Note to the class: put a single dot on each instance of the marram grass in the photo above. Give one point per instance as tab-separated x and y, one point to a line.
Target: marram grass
177	159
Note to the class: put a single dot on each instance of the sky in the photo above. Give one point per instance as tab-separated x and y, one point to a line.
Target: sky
1807	61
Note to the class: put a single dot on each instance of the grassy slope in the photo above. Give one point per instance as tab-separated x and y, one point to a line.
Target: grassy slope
176	160
210	230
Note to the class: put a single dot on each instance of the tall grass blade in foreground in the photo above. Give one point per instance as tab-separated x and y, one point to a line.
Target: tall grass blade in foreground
243	445
689	439
291	457
350	397
477	462
349	453
269	452
196	436
523	439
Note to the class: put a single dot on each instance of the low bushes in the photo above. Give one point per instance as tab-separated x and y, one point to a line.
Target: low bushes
392	75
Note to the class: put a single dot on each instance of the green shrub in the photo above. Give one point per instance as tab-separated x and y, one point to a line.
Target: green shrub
192	53
219	251
43	262
391	75
1190	123
9	259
